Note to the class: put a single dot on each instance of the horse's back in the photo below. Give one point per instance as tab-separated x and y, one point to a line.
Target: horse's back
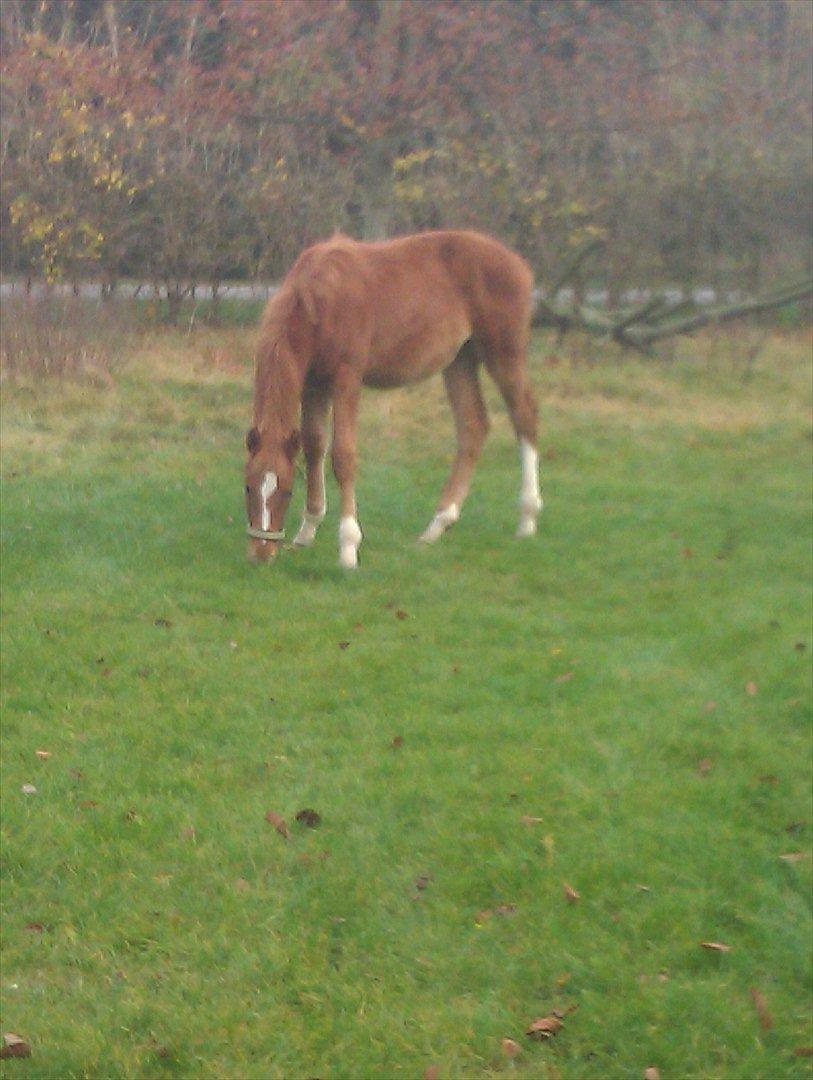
481	269
478	268
418	295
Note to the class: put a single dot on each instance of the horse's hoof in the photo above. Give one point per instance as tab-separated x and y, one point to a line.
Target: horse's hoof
443	520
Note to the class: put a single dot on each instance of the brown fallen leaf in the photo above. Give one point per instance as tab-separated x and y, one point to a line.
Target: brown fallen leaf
652	1072
422	882
131	815
309	817
794	856
761	1006
36	927
687	553
166	623
43	755
279	823
510	1048
768	778
571	895
14	1047
526	819
751	688
709	706
546	1027
715	946
803	1051
502	910
241	885
401	614
705	765
398	742
566	677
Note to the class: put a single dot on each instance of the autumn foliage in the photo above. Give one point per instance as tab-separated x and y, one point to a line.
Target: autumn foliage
190	141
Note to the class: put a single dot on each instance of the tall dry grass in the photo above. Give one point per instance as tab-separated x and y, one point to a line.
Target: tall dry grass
52	336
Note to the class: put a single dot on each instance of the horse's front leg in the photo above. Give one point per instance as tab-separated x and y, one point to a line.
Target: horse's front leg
315	411
345	417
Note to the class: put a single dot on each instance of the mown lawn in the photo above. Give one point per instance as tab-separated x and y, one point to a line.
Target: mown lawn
622	704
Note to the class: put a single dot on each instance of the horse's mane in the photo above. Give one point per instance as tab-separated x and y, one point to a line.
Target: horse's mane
277	370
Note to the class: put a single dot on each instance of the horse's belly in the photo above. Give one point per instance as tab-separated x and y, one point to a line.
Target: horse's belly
413	360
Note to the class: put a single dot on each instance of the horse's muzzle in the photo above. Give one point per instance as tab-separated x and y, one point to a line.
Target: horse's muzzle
261	551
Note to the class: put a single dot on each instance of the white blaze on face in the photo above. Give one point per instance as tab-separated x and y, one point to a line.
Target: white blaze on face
267	489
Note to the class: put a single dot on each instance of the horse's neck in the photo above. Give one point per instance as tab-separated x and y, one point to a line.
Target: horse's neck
280	380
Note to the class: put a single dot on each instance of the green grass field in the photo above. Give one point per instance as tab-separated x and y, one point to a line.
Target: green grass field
622	704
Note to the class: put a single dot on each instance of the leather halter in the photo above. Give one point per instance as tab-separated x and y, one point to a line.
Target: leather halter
265	534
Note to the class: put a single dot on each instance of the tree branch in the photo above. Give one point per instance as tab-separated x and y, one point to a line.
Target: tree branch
641	327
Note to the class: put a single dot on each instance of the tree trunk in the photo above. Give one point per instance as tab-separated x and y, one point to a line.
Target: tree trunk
214	311
379	153
376	192
112	26
174	299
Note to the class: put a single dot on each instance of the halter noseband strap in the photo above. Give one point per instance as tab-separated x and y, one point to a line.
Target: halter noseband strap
265	534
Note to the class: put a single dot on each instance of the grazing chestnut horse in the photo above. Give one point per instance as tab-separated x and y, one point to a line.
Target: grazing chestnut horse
353	314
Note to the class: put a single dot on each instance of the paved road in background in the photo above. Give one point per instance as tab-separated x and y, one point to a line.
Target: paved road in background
92	290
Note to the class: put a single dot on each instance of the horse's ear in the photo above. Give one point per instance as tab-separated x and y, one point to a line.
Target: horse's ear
252	440
292	444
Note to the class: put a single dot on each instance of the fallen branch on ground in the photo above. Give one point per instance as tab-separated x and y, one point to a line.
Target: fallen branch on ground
640	327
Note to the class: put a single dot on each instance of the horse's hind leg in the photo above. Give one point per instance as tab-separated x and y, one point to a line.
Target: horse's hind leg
471	424
345	414
315	411
512	379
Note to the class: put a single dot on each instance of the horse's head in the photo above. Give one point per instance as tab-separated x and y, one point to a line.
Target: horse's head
269	480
